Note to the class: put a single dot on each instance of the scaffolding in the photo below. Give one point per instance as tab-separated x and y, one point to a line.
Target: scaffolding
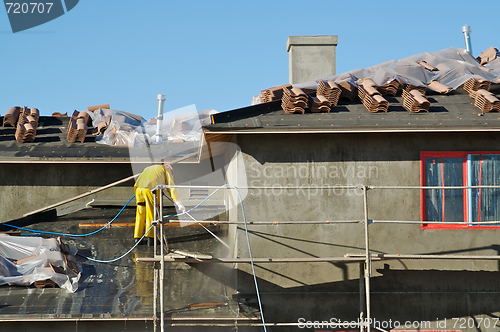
365	260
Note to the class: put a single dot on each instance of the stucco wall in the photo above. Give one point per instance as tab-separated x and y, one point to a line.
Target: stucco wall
381	159
26	187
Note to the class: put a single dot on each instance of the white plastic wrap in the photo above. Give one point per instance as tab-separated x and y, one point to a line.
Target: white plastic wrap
25	260
455	67
125	129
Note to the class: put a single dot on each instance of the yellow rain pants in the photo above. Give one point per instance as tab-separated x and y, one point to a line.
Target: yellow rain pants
144	213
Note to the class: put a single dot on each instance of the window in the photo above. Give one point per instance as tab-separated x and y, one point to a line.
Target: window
465	205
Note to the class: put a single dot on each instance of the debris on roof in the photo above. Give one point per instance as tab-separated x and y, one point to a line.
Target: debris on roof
42	262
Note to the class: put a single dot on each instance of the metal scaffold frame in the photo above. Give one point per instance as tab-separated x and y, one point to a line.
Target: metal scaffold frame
365	260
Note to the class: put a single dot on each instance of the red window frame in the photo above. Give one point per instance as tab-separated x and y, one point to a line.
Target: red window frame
449	154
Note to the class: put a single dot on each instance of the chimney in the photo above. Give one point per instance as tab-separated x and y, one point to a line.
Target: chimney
311	57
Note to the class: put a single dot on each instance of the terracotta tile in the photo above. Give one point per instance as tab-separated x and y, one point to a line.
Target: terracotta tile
424	64
410	87
25	132
389	88
488	56
370	96
274	93
330	90
11	116
59	115
34	112
96	107
485	100
294	100
77	129
349	91
415	101
319	104
438	87
475	84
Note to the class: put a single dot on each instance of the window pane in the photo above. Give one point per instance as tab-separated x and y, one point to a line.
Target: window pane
433	201
490	173
474	162
454	198
444	204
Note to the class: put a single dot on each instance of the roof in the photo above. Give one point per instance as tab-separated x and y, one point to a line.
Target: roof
453	112
51	145
449	81
122	289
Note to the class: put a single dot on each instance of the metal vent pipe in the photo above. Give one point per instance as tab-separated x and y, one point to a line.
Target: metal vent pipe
468	45
161	101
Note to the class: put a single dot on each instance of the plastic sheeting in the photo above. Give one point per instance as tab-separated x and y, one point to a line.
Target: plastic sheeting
455	67
26	260
126	129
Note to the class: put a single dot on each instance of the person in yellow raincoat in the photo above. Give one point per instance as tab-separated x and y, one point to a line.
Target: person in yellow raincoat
151	177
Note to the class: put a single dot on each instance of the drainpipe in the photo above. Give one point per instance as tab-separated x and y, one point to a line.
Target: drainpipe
468	45
161	101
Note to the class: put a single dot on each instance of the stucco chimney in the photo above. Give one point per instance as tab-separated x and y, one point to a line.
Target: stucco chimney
311	57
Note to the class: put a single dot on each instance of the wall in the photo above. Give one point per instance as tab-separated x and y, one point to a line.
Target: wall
26	187
403	289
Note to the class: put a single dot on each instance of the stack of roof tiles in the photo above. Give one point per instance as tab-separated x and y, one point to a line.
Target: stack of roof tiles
371	97
349	91
485	101
27	124
410	87
294	100
25	133
390	88
415	101
34	112
475	84
77	127
273	93
330	90
319	104
11	117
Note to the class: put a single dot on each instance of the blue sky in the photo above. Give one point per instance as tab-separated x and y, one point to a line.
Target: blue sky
214	54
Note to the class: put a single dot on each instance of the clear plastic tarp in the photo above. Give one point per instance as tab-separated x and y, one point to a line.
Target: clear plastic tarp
26	260
126	129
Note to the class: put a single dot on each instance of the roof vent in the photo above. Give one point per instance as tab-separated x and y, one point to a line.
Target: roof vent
468	45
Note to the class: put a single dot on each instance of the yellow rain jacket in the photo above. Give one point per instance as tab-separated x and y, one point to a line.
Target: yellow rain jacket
150	178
